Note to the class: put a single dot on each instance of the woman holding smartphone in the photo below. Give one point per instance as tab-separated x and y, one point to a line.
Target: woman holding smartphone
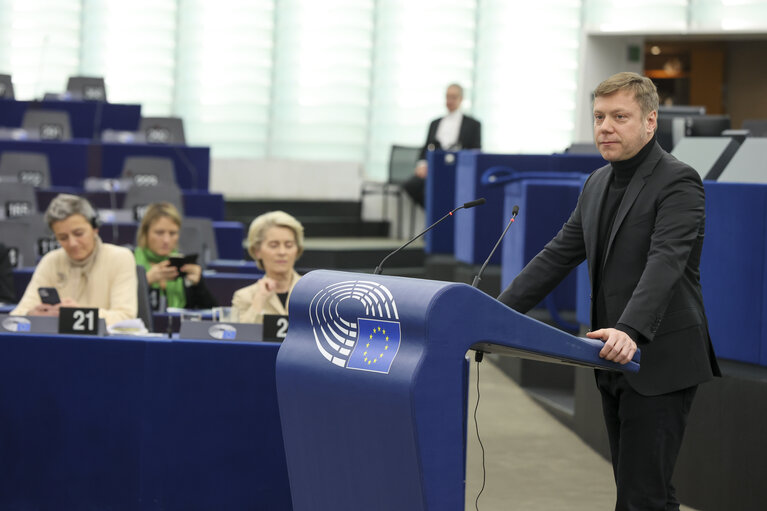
84	272
179	283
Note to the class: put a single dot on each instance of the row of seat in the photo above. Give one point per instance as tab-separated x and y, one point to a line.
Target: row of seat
46	123
33	168
78	87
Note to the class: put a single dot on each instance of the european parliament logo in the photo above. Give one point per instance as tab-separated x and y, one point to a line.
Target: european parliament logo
377	345
356	325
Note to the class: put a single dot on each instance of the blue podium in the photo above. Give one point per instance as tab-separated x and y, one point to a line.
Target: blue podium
372	389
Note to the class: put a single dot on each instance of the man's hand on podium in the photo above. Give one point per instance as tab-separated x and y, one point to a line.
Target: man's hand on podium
618	348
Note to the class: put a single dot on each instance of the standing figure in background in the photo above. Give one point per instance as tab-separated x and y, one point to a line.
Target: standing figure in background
158	234
85	272
275	241
453	132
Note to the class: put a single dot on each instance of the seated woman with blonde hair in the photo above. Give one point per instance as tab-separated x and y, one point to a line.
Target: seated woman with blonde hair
275	241
84	271
157	240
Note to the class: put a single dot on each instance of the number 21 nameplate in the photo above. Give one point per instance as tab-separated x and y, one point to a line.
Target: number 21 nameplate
79	320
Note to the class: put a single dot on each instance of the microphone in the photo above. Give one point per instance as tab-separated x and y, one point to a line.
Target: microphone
477	278
466	205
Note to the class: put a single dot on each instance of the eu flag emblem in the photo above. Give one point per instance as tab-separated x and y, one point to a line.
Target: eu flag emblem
377	345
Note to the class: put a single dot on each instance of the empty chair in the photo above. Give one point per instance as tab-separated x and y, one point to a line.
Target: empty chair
756	127
43	238
87	87
163	130
26	167
17	199
139	197
6	87
47	124
198	237
149	170
402	161
20	242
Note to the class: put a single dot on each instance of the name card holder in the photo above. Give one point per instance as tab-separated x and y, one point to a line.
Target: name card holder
79	320
275	327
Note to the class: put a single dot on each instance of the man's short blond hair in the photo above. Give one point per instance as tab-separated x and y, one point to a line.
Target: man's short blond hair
645	92
262	223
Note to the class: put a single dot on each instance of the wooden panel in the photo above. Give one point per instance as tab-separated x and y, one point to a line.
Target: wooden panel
706	79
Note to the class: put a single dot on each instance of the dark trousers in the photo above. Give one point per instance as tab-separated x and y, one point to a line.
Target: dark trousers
414	187
645	434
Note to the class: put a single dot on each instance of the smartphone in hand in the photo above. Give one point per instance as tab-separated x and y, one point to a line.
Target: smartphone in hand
180	260
49	295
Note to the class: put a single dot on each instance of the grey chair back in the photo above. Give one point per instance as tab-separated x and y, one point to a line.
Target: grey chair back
20	243
402	160
756	127
89	88
47	124
17	199
43	239
138	198
6	87
198	237
26	167
163	130
149	170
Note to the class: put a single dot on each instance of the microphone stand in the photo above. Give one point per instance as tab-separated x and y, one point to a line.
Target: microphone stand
478	276
465	205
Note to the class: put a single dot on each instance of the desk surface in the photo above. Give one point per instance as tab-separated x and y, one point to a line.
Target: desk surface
139	423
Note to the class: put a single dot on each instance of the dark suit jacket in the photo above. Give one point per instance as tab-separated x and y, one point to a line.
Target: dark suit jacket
650	277
469	136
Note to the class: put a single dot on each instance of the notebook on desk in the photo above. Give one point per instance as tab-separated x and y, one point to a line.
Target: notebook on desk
213	330
37	325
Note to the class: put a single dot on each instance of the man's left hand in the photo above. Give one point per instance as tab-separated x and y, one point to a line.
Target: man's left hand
618	348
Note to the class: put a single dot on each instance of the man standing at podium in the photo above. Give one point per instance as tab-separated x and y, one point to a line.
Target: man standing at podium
639	223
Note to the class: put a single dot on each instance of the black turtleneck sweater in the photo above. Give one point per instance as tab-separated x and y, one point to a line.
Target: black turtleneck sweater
622	173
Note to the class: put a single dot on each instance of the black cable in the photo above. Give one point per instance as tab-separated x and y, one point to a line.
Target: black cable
476	425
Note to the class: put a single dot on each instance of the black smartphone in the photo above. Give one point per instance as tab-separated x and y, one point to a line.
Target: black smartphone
48	295
180	260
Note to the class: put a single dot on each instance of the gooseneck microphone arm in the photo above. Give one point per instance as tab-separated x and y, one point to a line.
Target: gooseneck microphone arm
477	278
466	205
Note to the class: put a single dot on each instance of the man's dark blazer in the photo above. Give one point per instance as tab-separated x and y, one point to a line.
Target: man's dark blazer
650	277
469	136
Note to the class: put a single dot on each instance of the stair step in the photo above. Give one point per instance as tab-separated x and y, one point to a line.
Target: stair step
359	254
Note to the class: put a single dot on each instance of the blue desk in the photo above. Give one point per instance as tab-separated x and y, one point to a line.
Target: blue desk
478	229
139	424
196	203
87	118
236	266
545	205
228	236
733	272
223	285
440	199
70	162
